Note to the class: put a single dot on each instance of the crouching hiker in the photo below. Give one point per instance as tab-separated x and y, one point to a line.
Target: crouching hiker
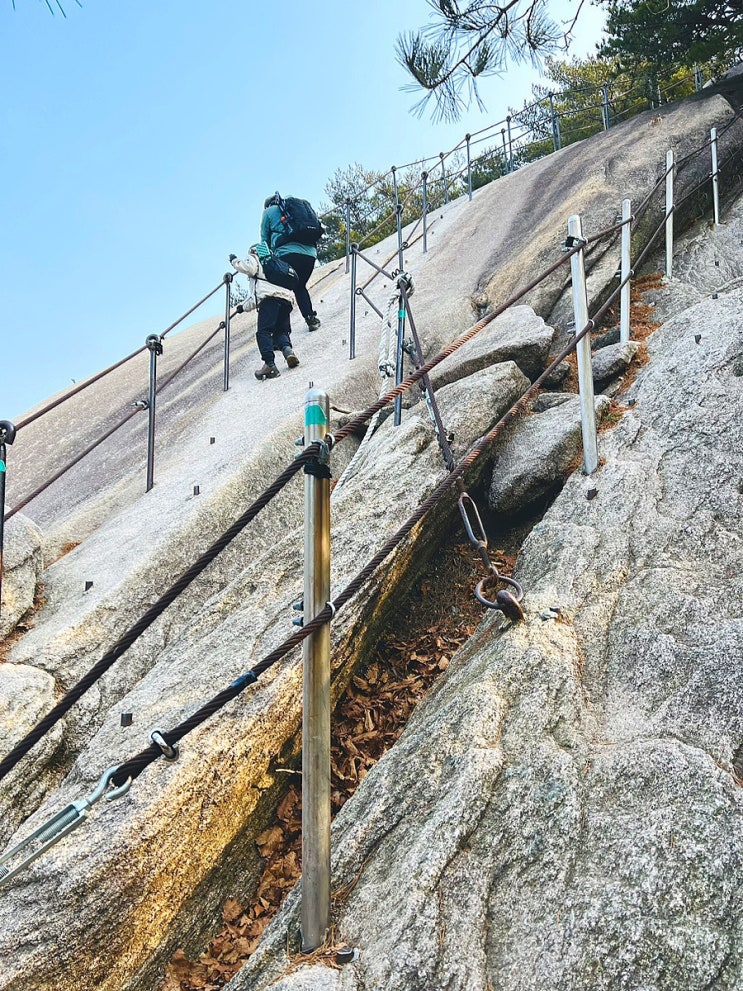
274	305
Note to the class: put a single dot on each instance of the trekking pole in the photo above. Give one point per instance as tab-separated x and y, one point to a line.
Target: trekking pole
348	234
443	177
352	332
398	215
469	167
227	284
316	682
583	348
425	213
7	436
154	346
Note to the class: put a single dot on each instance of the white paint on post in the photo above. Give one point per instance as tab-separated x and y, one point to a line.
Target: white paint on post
316	696
669	213
583	353
715	186
625	269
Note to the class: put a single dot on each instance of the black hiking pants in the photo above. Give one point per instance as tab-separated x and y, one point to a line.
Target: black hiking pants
303	266
274	327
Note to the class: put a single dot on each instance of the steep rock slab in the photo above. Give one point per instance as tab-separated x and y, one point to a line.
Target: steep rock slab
561	811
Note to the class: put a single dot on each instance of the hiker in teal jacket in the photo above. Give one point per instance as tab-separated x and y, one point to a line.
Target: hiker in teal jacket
301	257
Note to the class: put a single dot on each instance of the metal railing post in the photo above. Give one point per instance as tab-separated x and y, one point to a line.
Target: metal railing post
316	690
227	303
398	217
669	213
624	271
583	352
348	234
425	213
510	145
352	329
154	346
505	153
715	186
698	79
556	136
605	106
443	177
7	436
399	360
469	167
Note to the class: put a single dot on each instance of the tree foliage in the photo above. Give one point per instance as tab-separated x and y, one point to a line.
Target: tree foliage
468	40
661	33
50	7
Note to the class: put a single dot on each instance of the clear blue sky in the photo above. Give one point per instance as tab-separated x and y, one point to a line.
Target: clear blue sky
140	137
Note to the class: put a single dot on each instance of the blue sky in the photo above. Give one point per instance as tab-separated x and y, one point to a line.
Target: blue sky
139	139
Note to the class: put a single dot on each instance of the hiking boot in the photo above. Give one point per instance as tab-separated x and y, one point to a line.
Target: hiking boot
313	321
267	372
291	359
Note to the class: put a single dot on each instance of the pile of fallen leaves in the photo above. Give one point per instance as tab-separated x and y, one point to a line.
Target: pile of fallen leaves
441	615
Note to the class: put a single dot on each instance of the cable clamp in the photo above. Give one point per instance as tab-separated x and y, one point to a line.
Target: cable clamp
330	441
571	241
7	432
169	751
154	344
332	609
59	825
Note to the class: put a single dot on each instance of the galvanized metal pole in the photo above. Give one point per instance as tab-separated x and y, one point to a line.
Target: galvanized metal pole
510	145
469	167
7	436
348	234
715	186
352	332
505	153
669	213
399	360
398	216
316	693
425	213
625	268
556	136
605	108
154	346
583	352
443	176
698	80
227	304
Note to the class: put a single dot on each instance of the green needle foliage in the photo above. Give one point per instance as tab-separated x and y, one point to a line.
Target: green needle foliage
468	40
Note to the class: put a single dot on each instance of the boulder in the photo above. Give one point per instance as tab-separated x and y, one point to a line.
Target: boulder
611	361
22	565
538	453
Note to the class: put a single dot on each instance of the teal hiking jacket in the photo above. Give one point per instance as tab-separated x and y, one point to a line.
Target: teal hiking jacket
271	227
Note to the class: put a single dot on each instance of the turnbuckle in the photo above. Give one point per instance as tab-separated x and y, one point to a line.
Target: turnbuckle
59	825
